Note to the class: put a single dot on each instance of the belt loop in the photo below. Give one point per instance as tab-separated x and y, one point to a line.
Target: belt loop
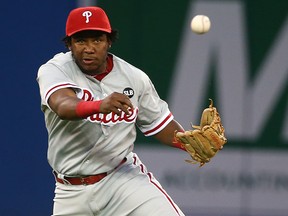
54	174
60	176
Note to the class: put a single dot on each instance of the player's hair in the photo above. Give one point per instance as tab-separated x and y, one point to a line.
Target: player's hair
113	36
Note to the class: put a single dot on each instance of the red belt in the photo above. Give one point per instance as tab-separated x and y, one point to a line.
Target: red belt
84	180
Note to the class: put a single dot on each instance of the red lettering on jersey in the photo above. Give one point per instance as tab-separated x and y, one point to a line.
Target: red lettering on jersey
95	117
112	118
87	95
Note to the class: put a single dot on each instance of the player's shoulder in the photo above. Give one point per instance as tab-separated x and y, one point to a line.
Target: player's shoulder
60	62
61	58
127	67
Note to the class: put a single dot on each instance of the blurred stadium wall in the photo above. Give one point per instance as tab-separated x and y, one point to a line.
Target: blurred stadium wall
242	65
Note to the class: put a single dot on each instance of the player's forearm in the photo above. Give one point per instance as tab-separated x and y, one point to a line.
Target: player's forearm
166	136
75	109
64	103
66	108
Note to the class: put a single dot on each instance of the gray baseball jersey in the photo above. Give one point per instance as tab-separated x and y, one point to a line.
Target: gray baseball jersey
97	144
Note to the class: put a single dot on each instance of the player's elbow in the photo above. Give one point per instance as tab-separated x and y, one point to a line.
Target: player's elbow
65	113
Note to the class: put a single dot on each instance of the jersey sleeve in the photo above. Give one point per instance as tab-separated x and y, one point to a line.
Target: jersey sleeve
154	113
50	79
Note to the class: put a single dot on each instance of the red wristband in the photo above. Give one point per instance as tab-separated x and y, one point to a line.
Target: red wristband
87	108
179	145
176	144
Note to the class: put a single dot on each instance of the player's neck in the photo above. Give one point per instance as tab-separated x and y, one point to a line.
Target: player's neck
109	67
101	69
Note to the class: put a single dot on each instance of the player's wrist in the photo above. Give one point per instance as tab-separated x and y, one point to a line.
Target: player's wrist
177	144
87	108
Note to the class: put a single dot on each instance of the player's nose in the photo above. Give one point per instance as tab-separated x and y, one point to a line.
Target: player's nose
89	47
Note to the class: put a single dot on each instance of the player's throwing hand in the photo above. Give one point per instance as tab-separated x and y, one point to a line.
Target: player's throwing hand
116	102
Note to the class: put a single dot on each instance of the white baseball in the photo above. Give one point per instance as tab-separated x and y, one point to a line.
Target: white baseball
200	24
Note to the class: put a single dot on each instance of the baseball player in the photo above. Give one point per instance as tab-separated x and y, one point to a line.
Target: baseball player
92	101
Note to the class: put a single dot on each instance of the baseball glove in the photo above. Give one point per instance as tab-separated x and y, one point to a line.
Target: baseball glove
204	141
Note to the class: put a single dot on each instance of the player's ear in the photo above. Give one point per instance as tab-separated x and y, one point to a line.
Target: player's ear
67	41
109	41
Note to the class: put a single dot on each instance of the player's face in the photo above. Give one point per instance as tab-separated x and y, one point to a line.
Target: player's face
89	49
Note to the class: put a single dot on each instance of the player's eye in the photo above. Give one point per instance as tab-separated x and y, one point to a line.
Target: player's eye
98	40
80	40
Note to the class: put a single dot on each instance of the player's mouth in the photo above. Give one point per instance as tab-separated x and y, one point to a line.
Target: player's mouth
88	61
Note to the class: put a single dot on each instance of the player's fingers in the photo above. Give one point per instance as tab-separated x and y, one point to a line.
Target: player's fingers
128	103
109	105
117	102
125	108
123	99
116	111
125	103
117	107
